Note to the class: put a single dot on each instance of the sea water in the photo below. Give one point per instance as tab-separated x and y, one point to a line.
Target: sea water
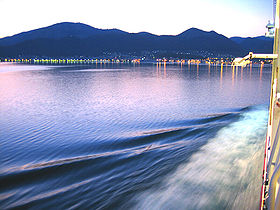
139	136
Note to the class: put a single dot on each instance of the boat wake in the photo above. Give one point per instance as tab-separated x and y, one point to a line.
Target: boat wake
224	174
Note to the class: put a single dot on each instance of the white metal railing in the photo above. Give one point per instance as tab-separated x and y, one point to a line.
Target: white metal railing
274	192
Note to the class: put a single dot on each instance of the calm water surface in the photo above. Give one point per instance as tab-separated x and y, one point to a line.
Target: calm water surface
132	136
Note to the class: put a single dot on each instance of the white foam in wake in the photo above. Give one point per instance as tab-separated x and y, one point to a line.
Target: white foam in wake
225	173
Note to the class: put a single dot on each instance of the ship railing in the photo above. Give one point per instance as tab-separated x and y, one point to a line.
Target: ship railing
271	170
274	161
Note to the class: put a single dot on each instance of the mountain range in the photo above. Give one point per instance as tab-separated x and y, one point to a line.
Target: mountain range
77	39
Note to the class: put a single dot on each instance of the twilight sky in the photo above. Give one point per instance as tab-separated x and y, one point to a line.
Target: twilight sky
169	17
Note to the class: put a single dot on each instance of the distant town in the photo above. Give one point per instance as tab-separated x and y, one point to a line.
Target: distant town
141	60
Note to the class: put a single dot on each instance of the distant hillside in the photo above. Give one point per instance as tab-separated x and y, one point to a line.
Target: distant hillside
77	39
259	44
56	31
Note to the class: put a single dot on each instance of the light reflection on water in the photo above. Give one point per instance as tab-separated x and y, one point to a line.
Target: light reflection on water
93	135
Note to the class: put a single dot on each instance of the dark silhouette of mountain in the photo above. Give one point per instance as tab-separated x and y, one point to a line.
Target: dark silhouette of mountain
77	39
260	44
211	41
56	31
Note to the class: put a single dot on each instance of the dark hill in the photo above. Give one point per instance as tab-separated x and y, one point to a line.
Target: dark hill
77	39
57	31
211	41
259	44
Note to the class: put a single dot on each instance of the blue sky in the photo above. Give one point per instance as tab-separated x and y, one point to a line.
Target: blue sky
169	17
